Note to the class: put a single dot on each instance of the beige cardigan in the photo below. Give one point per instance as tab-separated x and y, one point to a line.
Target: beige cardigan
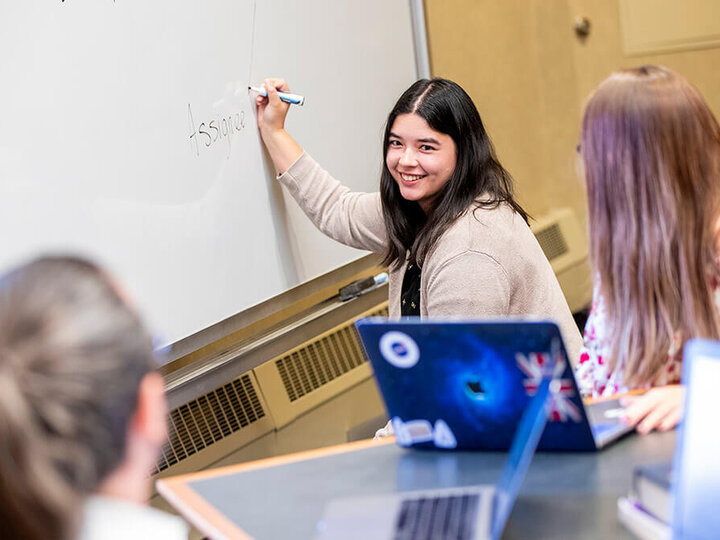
487	264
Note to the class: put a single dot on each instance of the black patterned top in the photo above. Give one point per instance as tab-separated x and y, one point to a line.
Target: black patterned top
410	294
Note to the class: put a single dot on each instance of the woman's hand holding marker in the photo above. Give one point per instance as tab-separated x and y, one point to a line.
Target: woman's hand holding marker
271	113
271	109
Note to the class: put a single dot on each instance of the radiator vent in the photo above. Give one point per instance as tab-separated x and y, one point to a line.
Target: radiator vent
319	362
209	419
552	241
562	238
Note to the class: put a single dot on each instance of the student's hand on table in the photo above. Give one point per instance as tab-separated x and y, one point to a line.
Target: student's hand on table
384	432
660	408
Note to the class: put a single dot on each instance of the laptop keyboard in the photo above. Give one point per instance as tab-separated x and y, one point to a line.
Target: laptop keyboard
448	517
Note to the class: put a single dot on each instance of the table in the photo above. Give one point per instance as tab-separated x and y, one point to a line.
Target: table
565	495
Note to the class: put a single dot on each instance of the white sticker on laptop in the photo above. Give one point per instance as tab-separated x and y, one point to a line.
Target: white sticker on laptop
412	431
420	431
399	349
443	437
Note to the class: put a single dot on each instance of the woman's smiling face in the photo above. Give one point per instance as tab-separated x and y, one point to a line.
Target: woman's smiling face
420	159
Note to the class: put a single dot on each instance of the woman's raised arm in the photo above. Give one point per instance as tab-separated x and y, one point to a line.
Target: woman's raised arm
271	113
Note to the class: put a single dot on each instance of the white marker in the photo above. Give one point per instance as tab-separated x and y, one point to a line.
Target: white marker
293	99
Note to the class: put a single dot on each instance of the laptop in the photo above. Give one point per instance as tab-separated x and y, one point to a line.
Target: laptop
696	491
475	512
688	489
453	384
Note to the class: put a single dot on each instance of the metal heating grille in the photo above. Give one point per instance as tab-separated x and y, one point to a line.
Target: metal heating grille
322	360
552	241
210	418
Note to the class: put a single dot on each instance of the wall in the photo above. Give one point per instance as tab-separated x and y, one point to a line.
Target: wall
529	75
513	59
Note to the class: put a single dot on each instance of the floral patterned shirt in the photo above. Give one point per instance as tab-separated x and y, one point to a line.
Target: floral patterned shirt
592	374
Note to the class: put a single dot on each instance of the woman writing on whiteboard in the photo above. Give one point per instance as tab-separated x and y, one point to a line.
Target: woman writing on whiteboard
456	241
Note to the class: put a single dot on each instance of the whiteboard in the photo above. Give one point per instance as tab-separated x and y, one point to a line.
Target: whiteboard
129	137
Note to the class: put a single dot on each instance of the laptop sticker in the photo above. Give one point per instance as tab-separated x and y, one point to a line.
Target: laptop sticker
443	436
562	408
399	349
412	431
420	431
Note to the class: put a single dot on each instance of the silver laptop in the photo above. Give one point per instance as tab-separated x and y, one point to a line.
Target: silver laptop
471	512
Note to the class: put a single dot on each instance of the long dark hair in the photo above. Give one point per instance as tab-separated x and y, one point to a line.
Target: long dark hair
478	177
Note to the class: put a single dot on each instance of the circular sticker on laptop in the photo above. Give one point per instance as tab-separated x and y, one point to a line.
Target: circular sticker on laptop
399	349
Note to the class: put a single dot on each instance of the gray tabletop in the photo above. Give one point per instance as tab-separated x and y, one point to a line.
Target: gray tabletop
565	495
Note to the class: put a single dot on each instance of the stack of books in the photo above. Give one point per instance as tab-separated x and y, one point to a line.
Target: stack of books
647	510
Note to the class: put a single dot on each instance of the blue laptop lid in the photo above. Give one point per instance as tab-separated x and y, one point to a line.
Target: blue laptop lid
465	384
523	447
697	452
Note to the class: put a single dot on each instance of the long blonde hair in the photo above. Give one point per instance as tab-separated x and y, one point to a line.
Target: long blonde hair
72	355
651	152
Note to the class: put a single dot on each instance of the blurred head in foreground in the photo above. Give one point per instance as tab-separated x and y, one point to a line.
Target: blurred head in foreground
81	411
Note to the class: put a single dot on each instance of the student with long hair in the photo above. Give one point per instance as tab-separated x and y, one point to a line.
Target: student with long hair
445	218
82	414
651	153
